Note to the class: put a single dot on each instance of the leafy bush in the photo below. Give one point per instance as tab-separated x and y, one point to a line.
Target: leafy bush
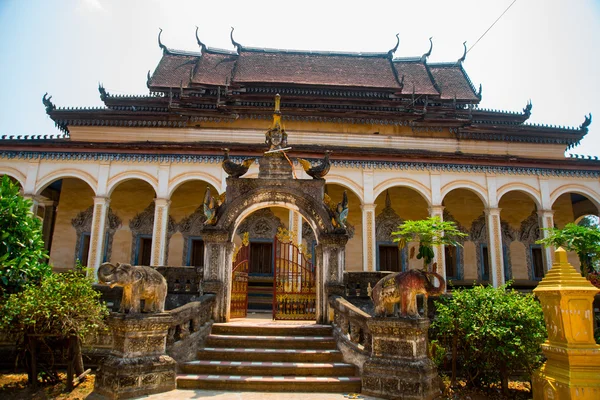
22	250
428	232
62	304
582	239
494	331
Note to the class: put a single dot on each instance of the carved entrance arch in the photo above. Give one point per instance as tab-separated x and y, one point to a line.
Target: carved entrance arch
245	196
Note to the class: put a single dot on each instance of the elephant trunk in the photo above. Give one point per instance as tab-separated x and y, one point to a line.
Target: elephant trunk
105	273
441	288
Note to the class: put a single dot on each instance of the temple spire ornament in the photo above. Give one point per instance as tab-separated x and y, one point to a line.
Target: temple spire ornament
393	50
160	43
202	45
584	126
464	56
527	109
235	44
426	55
276	137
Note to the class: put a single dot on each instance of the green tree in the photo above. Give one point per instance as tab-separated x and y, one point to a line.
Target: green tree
494	331
428	233
582	239
22	253
63	305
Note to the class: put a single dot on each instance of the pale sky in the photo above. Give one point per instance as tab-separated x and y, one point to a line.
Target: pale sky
543	50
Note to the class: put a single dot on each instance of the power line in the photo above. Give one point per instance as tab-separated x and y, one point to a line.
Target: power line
491	26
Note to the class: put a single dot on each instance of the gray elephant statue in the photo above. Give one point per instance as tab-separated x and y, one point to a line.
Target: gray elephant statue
403	288
139	283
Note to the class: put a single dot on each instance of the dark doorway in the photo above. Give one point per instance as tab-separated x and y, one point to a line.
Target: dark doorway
144	251
389	258
197	253
450	254
537	262
261	258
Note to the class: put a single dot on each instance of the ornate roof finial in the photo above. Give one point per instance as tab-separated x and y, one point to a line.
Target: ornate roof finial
527	109
160	44
424	56
393	50
49	106
235	44
462	59
586	122
479	91
277	103
202	45
276	137
388	201
148	79
103	93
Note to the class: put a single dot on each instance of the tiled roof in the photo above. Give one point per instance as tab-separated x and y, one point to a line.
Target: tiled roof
214	68
452	81
172	69
333	69
310	68
415	76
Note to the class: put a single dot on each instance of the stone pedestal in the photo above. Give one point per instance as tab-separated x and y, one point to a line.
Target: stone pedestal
399	367
274	166
138	364
573	367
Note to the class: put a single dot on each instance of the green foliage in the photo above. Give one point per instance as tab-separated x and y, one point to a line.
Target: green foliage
583	240
62	304
22	250
428	232
495	332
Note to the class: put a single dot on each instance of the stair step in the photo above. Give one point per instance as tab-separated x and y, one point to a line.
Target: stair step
263	354
300	330
270	383
277	342
267	368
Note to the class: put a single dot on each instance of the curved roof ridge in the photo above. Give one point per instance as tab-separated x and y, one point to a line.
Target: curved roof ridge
315	52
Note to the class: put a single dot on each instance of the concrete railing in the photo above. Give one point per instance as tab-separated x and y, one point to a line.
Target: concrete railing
190	327
351	331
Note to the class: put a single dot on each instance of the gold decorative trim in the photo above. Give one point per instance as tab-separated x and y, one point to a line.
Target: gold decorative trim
370	266
95	235
497	248
158	239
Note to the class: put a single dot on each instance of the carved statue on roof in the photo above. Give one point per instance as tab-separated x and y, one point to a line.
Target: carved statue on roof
276	137
48	103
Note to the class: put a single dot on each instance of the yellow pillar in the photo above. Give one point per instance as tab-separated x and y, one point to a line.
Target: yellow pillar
573	367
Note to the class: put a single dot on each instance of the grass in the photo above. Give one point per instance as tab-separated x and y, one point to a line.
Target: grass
14	386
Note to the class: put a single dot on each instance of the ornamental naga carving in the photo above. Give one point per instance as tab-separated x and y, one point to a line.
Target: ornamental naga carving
403	288
139	283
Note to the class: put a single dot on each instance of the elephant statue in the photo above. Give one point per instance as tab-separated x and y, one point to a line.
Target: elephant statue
403	288
138	282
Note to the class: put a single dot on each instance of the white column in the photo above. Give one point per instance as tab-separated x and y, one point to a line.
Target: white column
159	232
97	244
440	254
368	235
495	254
546	220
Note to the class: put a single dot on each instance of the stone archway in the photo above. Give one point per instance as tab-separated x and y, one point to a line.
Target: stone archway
243	197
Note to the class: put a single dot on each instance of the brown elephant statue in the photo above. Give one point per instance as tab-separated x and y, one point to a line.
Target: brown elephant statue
403	288
139	283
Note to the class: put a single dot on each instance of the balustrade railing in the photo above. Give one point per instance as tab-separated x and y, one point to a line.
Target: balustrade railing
357	283
190	318
351	330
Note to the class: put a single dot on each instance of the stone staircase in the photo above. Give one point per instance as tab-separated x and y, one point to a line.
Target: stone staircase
288	358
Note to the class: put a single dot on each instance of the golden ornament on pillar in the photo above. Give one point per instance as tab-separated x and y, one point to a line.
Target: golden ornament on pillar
573	367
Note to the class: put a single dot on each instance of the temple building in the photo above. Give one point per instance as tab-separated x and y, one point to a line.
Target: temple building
126	182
